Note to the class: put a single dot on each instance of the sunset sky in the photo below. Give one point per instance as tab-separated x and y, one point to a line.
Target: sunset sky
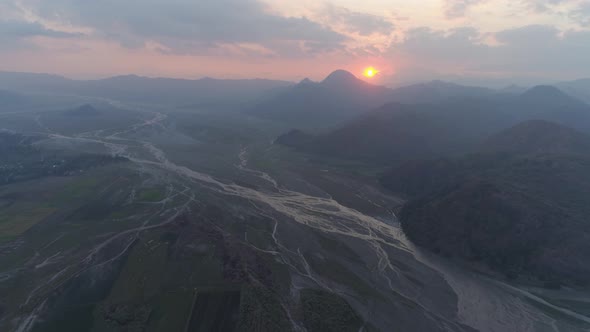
496	41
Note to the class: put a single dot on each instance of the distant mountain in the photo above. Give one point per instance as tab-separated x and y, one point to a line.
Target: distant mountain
548	96
437	91
181	92
520	209
206	91
578	88
31	82
338	97
341	96
398	132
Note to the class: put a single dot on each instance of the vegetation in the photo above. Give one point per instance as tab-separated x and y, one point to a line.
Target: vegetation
261	310
151	195
327	312
22	161
215	311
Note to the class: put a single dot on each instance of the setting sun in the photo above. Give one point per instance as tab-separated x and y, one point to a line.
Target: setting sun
370	72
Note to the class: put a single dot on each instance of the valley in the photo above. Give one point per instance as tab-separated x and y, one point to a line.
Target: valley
205	214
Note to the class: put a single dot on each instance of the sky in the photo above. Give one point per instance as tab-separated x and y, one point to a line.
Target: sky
486	42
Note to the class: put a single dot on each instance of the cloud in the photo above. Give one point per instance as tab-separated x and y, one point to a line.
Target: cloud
458	8
531	51
17	33
22	29
186	26
577	10
356	22
461	44
544	6
532	34
581	14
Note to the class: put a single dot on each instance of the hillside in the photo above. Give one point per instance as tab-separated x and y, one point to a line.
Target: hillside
8	99
294	138
520	208
578	88
400	132
538	136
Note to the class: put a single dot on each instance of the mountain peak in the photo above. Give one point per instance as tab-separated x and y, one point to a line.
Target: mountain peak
543	89
548	95
306	81
547	91
339	76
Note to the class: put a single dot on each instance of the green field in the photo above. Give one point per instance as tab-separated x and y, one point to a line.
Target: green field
151	195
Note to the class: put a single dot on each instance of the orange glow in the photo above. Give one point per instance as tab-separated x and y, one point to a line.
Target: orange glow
370	72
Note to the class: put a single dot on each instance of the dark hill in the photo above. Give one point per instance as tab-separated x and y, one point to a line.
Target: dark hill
549	96
521	210
538	136
339	78
392	133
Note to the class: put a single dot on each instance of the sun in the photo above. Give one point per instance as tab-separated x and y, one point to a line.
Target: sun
370	72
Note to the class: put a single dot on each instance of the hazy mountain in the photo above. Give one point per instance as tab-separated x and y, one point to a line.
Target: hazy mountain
392	132
8	98
520	209
398	132
342	96
133	88
549	97
30	82
339	97
437	91
538	136
294	138
179	91
578	88
513	89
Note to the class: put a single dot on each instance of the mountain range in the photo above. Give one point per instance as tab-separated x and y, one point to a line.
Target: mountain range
397	132
341	96
131	88
308	104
